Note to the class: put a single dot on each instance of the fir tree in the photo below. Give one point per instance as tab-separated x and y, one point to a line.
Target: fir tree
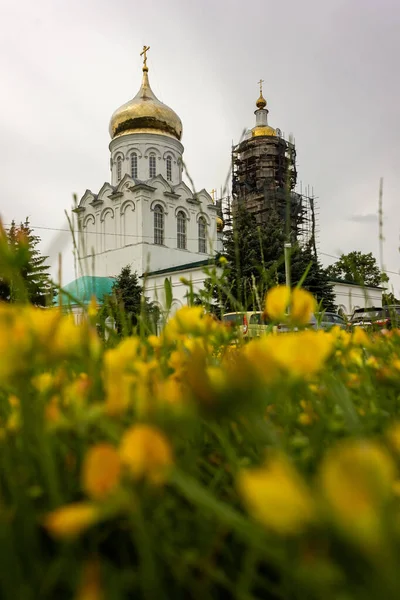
304	261
255	263
127	305
24	274
255	256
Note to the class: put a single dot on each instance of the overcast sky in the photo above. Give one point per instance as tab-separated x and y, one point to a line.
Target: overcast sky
331	72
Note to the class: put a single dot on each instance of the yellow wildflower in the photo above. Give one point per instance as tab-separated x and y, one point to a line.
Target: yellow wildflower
154	341
43	382
92	308
356	480
308	415
71	520
302	306
360	338
146	452
277	497
101	471
303	353
277	302
119	393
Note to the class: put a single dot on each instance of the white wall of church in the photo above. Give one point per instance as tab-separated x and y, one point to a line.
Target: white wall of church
143	145
351	296
118	226
155	289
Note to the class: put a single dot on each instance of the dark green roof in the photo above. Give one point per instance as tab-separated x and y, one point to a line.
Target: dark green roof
193	265
81	290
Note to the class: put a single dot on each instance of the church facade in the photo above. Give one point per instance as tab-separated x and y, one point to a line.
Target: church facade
147	217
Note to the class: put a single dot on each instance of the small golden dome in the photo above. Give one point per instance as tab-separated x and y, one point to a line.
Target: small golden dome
261	102
260	130
145	114
220	224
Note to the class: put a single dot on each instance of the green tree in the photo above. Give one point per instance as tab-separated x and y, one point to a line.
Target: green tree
255	256
316	279
255	263
127	305
24	274
356	267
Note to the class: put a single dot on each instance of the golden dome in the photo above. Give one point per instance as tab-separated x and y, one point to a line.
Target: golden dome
261	102
220	224
145	114
260	130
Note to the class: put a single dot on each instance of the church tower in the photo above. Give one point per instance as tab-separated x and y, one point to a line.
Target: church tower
264	176
146	217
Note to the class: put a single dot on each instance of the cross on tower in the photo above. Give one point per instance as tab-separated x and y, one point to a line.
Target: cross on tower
260	84
212	194
143	53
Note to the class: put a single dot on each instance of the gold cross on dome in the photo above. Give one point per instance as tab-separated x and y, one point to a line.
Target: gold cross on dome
212	194
260	84
143	53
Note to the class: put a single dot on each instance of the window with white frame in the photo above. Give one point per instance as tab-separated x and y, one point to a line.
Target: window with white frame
169	168
181	230
134	165
202	235
119	168
159	225
152	165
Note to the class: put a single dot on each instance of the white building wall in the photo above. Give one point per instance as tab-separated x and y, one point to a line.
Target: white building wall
350	296
117	226
143	144
155	286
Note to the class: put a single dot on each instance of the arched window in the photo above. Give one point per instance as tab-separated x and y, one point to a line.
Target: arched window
169	168
152	165
119	168
134	165
158	225
181	229
202	235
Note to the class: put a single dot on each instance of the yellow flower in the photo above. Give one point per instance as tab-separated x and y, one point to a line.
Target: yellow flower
92	308
43	382
356	480
277	497
302	306
101	471
71	520
277	302
146	452
154	341
360	338
118	393
303	353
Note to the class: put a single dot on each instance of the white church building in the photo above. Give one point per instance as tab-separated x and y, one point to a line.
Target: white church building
146	217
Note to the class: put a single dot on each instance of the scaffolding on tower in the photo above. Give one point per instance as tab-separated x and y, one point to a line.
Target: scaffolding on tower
264	177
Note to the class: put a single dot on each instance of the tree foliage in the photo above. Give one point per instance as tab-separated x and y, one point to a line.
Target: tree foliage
127	305
254	258
357	267
24	274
